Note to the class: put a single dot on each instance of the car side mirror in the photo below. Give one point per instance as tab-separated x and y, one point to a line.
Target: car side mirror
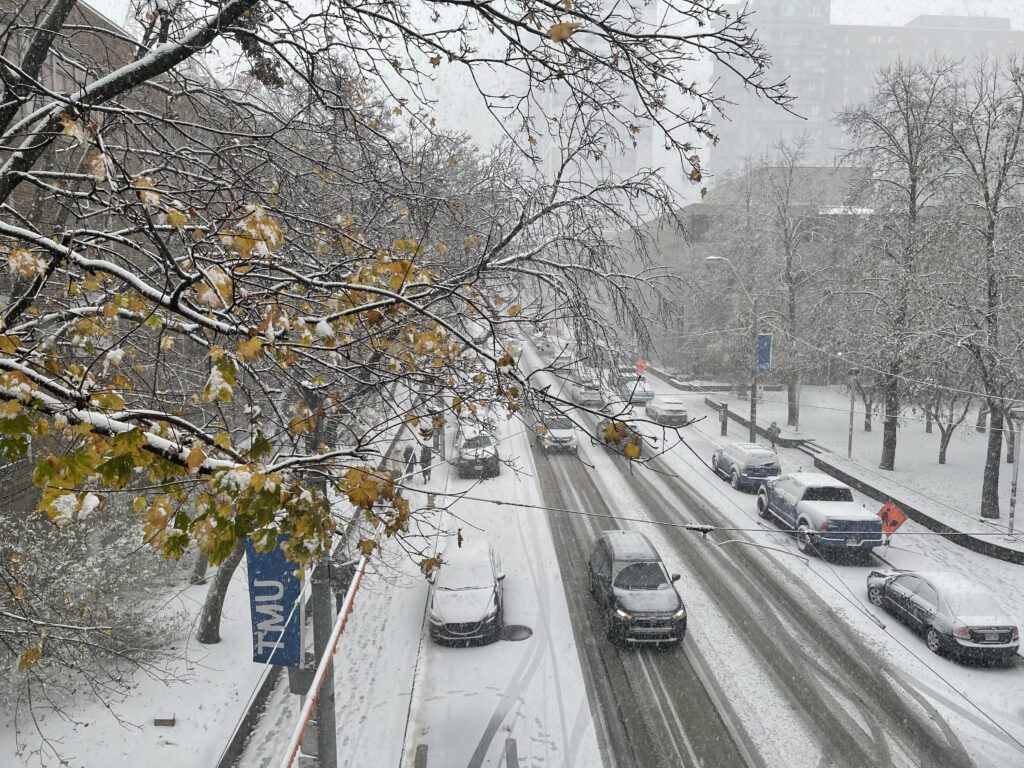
676	577
501	577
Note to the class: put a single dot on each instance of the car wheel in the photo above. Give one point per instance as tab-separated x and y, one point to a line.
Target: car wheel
734	479
610	631
875	596
762	506
804	540
934	641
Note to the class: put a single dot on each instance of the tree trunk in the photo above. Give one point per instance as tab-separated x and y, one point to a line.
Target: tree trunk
793	402
979	426
947	436
990	478
199	570
928	425
208	631
869	406
892	413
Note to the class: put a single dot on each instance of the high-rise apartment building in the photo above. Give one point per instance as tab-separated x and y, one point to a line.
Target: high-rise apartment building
832	65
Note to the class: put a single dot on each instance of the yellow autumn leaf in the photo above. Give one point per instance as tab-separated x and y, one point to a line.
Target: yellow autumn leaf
514	310
559	33
632	449
9	344
366	546
74	128
30	657
176	218
614	432
435	60
703	192
195	458
222	440
249	348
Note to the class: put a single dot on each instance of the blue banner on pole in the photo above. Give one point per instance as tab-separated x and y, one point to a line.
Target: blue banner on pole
764	352
274	592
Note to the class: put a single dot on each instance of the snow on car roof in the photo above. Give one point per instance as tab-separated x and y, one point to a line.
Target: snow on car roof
629	545
817	478
667	403
948	583
466	566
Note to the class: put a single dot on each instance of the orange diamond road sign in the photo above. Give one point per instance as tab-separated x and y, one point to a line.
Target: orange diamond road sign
892	518
640	365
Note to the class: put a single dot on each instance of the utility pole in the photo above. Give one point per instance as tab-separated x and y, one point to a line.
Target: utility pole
754	371
853	372
322	606
754	341
1015	414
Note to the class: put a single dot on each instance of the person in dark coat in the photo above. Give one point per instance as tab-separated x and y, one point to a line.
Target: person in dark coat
426	459
773	433
410	462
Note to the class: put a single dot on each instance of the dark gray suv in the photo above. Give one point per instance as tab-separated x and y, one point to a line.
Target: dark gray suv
636	595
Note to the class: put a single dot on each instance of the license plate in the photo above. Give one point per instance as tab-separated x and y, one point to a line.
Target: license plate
853	542
478	466
991	637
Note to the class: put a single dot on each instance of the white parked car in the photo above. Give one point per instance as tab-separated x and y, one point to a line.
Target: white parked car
466	596
667	412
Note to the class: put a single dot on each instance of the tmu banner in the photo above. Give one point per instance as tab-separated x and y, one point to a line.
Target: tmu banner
764	352
274	592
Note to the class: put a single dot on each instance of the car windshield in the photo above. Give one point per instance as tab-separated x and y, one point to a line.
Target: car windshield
649	575
477	441
973	604
828	493
558	422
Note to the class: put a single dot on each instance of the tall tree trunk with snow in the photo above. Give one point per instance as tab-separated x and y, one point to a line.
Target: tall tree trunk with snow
990	475
891	416
208	630
944	438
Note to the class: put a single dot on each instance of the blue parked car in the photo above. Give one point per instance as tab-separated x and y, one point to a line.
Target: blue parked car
745	465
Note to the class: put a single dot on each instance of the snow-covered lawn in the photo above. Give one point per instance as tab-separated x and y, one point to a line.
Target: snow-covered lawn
953	489
210	686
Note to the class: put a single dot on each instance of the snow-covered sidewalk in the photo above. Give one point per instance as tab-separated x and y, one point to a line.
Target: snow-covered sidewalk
208	690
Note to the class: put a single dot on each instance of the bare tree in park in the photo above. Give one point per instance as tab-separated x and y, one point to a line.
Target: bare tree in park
898	136
985	130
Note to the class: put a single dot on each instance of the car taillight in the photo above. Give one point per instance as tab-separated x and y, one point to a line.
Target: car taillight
962	632
824	526
1015	635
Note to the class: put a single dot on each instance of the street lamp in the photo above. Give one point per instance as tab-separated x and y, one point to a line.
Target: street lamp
1015	414
852	379
753	331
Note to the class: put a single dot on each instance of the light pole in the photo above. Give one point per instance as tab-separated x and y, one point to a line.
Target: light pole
1016	414
753	331
851	380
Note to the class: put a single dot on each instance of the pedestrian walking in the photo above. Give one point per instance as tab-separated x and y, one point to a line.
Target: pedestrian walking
773	433
426	459
410	462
